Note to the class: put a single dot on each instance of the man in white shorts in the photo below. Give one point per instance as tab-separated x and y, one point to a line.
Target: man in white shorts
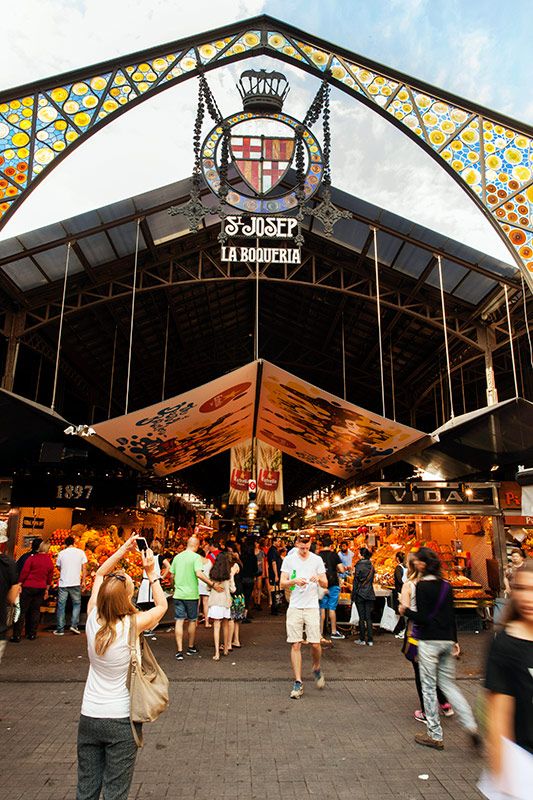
302	572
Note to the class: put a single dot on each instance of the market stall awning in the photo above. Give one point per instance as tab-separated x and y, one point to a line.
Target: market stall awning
260	400
24	427
493	436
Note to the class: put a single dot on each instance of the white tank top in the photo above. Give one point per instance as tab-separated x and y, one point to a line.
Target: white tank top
106	695
412	590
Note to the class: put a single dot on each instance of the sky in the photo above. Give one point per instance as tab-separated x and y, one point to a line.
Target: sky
470	49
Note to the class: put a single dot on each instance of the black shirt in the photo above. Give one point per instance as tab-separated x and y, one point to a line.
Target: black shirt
331	561
363	580
510	672
434	626
249	564
273	557
8	578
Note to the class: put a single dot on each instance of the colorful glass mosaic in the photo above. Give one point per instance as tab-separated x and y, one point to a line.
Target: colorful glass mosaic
494	163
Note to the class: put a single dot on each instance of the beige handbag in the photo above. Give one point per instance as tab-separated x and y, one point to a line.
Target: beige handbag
147	684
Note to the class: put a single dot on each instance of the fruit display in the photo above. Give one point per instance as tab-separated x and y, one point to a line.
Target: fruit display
98	546
527	544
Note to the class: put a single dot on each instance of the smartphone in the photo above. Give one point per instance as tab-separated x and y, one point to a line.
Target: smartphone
142	544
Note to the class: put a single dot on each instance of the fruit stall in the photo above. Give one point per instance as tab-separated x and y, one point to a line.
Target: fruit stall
456	521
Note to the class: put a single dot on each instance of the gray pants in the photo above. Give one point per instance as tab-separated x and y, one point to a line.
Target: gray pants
106	758
437	665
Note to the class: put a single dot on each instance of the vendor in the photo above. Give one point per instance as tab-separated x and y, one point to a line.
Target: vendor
517	559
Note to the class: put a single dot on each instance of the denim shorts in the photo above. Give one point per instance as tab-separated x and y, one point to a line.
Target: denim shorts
331	599
186	609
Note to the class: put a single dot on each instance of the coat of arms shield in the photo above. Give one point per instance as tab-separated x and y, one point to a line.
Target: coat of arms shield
262	161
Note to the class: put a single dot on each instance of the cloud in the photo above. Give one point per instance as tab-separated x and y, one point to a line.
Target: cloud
151	145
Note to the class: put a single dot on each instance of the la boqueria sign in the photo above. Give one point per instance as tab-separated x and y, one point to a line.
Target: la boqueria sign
258	228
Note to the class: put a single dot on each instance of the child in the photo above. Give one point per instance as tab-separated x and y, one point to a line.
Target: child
220	602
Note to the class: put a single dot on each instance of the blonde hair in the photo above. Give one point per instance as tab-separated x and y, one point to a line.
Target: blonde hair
412	572
113	604
511	612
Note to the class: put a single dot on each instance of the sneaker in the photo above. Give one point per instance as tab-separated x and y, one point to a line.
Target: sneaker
427	741
359	641
420	717
179	656
297	690
319	678
447	710
370	644
75	630
337	635
192	651
15	639
148	632
400	635
59	633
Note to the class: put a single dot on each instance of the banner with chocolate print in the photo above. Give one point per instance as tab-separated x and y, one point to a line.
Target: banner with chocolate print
184	430
323	430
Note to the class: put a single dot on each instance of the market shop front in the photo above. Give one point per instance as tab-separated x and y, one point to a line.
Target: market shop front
462	523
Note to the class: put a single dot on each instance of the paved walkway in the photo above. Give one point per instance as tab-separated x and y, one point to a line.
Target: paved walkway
232	731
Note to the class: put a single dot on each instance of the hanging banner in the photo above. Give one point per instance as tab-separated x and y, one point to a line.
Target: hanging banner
269	475
187	429
324	431
240	473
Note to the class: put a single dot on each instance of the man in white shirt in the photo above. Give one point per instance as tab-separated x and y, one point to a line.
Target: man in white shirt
302	572
72	572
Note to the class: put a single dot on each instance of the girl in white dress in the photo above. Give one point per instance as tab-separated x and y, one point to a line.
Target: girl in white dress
220	602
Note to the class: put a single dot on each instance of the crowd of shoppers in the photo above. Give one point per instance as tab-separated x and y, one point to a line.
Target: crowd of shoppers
234	580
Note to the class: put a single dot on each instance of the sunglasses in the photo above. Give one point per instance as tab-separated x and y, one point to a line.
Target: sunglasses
118	575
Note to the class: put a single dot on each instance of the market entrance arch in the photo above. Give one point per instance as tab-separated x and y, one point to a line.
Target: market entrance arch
489	155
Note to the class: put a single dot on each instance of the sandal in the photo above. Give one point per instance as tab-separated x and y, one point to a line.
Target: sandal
216	658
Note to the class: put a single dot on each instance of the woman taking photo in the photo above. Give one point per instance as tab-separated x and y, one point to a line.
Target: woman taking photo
509	683
106	747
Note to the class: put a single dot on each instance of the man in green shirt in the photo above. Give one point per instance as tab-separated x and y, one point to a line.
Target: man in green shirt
186	569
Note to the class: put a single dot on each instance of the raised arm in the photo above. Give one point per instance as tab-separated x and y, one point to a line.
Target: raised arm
107	568
146	620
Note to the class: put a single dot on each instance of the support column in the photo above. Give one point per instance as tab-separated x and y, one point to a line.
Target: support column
500	548
487	339
14	328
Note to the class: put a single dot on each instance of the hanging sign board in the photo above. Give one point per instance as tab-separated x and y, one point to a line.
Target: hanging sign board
255	229
452	496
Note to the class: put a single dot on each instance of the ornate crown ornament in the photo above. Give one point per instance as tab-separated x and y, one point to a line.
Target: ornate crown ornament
263	91
261	160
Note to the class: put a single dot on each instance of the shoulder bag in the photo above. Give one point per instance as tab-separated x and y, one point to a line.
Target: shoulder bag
147	684
410	643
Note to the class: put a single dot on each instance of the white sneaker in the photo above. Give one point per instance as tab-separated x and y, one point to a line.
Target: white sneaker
59	633
297	690
370	644
400	635
75	630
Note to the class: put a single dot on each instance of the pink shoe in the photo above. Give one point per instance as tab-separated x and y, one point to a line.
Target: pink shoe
447	710
420	717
